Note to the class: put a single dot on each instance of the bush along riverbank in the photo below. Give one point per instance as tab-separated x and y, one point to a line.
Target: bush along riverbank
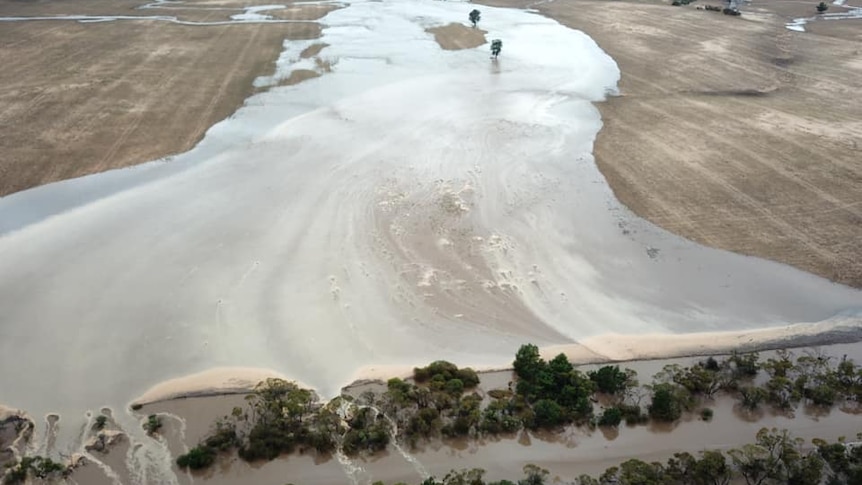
443	401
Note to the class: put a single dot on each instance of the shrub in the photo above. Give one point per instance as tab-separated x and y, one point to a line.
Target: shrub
609	379
612	417
197	458
706	414
368	432
548	414
454	387
821	395
442	368
153	424
711	364
469	377
100	423
745	366
665	405
633	414
751	397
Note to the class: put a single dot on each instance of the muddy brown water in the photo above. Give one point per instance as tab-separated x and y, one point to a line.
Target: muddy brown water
567	454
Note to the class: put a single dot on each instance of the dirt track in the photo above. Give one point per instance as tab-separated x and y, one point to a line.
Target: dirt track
80	98
735	132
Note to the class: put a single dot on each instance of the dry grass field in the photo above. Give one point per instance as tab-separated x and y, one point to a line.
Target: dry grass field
734	131
80	98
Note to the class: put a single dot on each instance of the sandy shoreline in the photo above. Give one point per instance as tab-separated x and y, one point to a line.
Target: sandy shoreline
568	454
441	260
609	348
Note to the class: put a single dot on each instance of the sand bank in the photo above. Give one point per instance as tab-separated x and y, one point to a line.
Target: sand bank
595	350
618	347
412	204
566	454
226	380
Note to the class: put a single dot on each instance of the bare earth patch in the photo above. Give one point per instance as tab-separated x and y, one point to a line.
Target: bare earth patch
454	36
312	50
298	76
80	98
734	131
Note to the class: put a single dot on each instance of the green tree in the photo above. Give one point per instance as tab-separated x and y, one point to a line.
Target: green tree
496	47
807	470
712	469
152	424
771	457
745	366
475	16
464	477
610	379
751	397
533	475
548	414
665	405
822	7
100	422
197	458
528	363
612	417
637	472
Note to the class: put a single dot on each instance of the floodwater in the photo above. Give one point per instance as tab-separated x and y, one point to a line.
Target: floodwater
411	205
567	455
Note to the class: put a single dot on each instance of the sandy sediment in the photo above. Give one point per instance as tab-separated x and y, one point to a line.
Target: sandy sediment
599	349
566	455
617	347
226	380
412	204
457	36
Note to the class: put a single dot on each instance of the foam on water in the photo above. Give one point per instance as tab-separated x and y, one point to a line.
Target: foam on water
413	204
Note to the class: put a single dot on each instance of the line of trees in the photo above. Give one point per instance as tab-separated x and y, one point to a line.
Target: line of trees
775	458
442	401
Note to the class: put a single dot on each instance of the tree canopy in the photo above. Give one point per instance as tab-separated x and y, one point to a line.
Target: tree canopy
475	16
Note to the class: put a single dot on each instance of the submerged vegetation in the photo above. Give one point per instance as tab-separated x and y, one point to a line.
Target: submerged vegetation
443	401
153	424
34	467
775	458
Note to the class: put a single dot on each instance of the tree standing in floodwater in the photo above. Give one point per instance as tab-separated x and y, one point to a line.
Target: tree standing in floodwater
496	47
475	16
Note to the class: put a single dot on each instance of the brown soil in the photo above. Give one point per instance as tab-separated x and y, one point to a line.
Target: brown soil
298	76
312	50
83	98
454	36
734	131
